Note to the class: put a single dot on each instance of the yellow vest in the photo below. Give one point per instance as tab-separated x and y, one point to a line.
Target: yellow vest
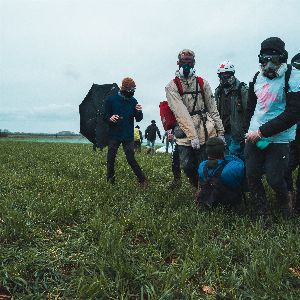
136	135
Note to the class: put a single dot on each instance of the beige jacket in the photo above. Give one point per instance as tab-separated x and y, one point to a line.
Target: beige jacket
182	106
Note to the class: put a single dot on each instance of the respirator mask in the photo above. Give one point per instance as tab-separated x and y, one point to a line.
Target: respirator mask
227	79
186	70
128	93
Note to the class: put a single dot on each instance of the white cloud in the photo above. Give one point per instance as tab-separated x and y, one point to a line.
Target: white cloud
51	51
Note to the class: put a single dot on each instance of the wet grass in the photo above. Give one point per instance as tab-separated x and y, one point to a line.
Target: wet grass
66	234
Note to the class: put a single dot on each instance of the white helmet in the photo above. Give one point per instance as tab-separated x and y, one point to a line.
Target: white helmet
225	66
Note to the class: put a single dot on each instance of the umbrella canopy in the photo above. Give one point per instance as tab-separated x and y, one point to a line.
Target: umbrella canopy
91	110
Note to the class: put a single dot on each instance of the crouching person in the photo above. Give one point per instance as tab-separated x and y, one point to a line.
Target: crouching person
221	177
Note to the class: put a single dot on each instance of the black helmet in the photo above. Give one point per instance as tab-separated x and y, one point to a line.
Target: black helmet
274	46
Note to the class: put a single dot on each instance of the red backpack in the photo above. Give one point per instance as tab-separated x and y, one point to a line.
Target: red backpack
167	117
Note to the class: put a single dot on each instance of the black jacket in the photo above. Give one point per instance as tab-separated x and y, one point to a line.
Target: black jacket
150	133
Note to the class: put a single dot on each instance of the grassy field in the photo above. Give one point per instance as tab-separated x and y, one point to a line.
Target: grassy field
66	234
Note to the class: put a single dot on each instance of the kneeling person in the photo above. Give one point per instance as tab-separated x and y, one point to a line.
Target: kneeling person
221	177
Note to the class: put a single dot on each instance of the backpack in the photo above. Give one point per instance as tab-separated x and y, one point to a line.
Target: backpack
167	117
213	192
137	135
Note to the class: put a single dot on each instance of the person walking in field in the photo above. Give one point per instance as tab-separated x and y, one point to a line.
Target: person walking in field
191	100
169	137
120	112
231	96
272	112
138	139
150	135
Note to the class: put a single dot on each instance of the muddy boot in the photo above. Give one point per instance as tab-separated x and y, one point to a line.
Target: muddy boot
111	180
175	184
259	198
285	208
297	203
261	204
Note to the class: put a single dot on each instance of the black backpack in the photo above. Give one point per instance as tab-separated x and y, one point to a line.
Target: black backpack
213	192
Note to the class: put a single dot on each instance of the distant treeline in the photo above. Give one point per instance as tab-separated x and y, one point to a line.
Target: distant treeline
6	133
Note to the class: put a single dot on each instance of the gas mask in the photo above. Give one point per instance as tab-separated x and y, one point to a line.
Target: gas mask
271	64
128	93
227	79
186	70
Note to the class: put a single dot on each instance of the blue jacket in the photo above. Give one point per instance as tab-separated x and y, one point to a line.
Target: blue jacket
232	175
123	129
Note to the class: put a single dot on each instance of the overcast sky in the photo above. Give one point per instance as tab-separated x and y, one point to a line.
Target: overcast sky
52	51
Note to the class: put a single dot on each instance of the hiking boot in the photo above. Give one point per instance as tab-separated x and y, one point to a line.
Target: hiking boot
262	207
143	184
285	208
175	184
111	180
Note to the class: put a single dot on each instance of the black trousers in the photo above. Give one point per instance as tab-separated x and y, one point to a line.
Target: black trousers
128	148
176	163
272	161
294	162
190	160
137	146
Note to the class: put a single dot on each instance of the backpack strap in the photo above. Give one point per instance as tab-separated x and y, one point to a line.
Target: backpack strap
239	100
179	85
217	171
287	77
200	81
255	78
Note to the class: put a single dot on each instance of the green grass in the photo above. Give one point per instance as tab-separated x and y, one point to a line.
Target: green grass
66	234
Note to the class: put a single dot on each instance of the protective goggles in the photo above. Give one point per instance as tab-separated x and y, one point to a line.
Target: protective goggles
186	60
275	59
225	74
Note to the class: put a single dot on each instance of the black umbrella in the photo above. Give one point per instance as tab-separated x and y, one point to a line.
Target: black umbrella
91	110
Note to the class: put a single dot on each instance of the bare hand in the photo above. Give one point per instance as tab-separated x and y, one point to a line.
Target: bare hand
138	107
253	136
114	118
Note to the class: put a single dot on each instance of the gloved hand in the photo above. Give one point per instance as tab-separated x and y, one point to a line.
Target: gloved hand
195	143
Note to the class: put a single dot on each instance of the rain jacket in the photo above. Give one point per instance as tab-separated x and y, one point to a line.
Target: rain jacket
232	107
182	106
122	130
150	133
232	175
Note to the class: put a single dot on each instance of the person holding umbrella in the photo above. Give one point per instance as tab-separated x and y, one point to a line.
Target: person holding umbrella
120	112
